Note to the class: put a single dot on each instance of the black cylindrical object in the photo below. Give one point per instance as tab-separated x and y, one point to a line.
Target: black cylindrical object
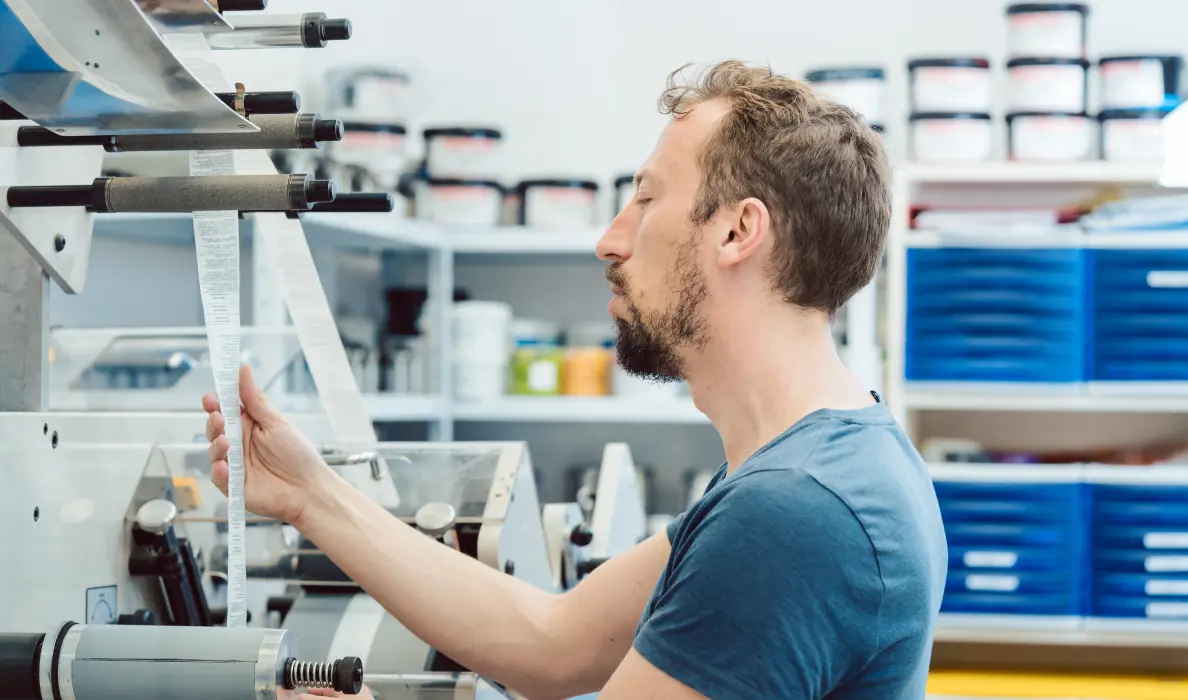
359	201
321	30
264	102
242	5
181	194
277	132
51	196
20	655
8	112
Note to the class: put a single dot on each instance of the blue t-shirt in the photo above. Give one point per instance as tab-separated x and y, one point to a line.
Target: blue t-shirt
814	570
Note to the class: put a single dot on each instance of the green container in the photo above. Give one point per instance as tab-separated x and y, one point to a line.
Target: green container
536	369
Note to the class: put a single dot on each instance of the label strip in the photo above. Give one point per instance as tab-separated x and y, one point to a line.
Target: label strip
216	240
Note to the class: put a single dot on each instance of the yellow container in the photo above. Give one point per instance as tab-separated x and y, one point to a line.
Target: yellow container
587	372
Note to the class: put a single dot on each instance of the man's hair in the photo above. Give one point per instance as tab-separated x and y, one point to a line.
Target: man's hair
821	171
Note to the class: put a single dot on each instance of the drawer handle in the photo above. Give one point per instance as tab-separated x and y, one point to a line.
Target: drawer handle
1167	279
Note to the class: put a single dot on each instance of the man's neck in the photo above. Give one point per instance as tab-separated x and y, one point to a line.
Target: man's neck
754	385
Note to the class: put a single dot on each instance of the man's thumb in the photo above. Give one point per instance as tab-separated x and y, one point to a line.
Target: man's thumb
255	403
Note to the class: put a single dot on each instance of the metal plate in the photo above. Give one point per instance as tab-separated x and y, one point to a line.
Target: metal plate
101	68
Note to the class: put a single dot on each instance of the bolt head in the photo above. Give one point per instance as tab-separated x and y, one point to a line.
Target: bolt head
156	516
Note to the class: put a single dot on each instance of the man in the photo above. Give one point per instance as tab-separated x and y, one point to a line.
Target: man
814	564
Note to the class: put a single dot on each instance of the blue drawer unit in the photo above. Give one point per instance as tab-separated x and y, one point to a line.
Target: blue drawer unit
1140	315
1016	546
996	315
1139	541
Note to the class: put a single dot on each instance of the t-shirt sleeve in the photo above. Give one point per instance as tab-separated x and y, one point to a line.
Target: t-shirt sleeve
773	592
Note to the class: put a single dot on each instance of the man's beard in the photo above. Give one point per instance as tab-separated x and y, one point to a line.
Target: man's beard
648	343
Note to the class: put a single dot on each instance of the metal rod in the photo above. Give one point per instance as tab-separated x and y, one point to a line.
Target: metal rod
311	30
254	103
277	132
375	202
181	194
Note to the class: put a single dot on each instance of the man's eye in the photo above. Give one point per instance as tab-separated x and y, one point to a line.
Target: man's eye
641	201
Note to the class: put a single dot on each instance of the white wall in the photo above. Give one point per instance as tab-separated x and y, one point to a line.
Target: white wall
574	85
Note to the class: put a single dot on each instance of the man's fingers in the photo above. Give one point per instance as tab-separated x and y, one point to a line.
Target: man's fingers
218	475
210	403
217	449
252	396
215	425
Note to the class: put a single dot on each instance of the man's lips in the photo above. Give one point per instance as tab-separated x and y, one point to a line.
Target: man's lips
616	290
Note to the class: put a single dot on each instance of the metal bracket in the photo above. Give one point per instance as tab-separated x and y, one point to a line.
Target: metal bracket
59	239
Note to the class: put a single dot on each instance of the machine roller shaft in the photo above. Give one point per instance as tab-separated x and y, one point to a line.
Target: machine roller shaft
254	103
138	662
311	30
181	194
277	131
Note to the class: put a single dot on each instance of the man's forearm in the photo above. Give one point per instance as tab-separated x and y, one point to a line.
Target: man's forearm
493	624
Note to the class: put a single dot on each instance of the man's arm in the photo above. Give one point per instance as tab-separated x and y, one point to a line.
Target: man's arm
540	644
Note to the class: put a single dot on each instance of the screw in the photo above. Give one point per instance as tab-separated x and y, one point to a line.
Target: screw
509	567
59	242
36	513
54	440
45	428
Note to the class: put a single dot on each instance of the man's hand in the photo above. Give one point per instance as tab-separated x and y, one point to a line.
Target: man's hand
282	469
364	694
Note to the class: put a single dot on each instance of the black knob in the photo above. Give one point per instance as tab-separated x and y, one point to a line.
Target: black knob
509	567
328	130
348	675
581	535
336	30
320	191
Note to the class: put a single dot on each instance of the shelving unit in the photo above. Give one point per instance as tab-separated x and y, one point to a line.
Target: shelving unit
1028	180
1029	416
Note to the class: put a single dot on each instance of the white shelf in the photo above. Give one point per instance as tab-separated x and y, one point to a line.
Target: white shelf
579	409
1001	629
971	399
1050	173
517	239
338	230
383	408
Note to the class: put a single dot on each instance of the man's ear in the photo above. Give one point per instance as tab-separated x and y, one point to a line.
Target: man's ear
750	225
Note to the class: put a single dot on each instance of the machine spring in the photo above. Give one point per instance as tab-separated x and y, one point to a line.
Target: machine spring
309	674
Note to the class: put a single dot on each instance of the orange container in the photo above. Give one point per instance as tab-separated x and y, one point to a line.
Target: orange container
587	372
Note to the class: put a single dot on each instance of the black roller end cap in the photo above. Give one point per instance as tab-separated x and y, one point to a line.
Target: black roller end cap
581	535
348	675
317	191
336	30
328	130
242	5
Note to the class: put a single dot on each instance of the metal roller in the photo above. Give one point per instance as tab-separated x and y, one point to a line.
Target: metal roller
99	662
181	194
311	30
277	132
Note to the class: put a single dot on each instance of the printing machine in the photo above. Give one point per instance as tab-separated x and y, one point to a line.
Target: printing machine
115	539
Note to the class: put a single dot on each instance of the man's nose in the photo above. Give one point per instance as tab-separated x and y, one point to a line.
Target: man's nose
615	244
